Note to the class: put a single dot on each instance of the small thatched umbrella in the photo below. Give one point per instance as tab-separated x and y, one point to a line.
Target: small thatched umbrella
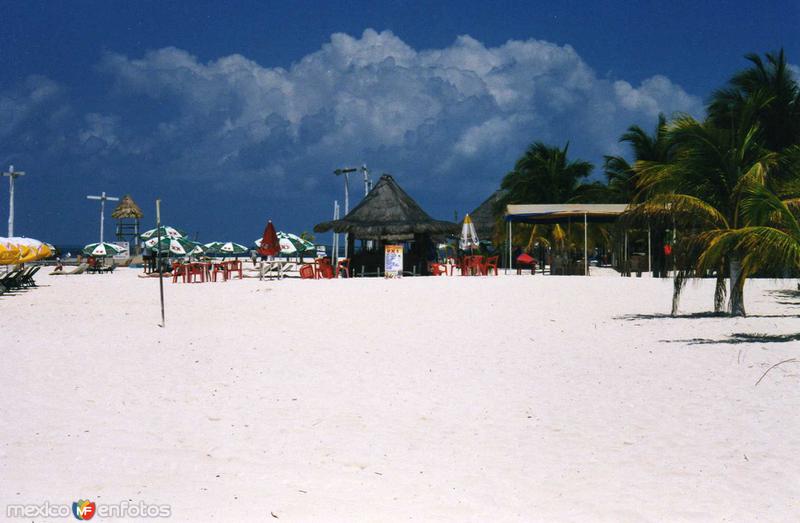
387	213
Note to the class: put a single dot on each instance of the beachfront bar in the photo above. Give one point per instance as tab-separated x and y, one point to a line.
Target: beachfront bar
389	215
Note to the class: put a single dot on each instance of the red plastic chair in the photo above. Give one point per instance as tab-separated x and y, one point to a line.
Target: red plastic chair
234	266
324	268
437	269
219	268
178	270
307	272
490	265
343	265
471	266
196	271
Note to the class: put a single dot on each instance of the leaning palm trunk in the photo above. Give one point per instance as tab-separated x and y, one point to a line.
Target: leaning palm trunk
720	291
677	286
737	287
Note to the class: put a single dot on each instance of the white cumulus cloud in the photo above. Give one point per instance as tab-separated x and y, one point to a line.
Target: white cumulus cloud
452	119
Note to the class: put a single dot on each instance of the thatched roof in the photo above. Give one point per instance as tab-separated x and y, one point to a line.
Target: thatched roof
127	208
388	213
484	216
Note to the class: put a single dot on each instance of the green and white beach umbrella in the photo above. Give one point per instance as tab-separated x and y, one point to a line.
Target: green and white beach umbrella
166	232
102	249
176	246
291	243
225	249
198	250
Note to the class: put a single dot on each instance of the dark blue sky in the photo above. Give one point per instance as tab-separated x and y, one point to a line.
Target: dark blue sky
230	143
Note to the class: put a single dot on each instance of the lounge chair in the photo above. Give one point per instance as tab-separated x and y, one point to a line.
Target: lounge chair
27	278
9	281
80	269
13	280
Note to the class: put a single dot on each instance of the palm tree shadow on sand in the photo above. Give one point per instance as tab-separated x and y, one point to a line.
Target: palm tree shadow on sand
790	297
742	337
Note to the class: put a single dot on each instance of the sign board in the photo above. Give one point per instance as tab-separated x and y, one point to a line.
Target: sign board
393	260
126	250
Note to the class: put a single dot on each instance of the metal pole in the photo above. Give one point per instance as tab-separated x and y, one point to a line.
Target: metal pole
11	175
346	210
508	263
11	204
625	255
335	234
585	245
102	215
158	255
346	172
367	183
649	252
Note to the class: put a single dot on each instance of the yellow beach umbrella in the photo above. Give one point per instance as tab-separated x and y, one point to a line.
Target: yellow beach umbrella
9	252
30	249
45	251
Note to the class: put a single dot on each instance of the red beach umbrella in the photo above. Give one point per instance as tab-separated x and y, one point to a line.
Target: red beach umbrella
270	246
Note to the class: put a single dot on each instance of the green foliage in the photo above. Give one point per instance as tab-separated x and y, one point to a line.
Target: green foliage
772	82
543	174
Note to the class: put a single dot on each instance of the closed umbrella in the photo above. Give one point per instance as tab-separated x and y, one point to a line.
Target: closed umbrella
469	237
270	245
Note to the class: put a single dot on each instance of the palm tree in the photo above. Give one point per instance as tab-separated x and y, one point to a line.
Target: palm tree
621	181
770	80
769	239
544	174
701	189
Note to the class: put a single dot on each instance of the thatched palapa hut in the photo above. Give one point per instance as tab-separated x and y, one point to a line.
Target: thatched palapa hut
128	215
389	214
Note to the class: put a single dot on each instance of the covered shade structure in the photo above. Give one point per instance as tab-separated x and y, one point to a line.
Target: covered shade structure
388	213
560	212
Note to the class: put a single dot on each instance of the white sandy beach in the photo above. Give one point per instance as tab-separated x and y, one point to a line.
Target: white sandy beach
428	399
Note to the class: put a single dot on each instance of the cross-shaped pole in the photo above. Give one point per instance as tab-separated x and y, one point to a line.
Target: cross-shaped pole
12	174
102	199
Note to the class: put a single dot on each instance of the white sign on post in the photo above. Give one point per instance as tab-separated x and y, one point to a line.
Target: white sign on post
393	261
